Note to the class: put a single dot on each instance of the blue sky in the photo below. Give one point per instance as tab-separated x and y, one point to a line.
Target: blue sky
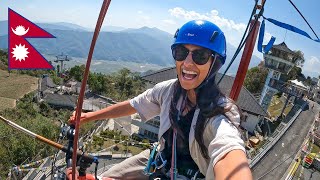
168	15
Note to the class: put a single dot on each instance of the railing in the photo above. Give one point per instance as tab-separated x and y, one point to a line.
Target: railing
36	174
281	129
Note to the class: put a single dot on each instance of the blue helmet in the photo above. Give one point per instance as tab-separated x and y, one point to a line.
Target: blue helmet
202	33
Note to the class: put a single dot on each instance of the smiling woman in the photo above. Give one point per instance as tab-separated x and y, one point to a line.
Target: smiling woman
199	135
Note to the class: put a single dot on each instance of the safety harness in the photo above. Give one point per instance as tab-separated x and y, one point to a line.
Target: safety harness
158	167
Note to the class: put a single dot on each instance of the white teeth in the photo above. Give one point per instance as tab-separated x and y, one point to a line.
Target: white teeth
188	72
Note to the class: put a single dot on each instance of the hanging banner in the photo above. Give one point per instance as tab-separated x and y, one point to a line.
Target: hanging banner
260	40
291	28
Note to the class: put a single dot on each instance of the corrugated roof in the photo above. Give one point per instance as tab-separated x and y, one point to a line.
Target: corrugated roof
246	100
61	100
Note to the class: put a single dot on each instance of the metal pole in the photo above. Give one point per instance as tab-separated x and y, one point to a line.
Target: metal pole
245	60
102	14
45	140
247	53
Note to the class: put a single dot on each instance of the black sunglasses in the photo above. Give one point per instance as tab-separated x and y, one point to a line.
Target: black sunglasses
199	56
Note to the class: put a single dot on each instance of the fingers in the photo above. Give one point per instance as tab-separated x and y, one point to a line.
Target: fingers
69	173
72	119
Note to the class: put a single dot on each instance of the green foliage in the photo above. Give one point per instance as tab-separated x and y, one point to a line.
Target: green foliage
55	78
120	86
108	134
77	72
308	81
34	73
98	141
123	83
295	73
85	128
145	143
255	79
128	84
15	146
3	60
298	59
100	83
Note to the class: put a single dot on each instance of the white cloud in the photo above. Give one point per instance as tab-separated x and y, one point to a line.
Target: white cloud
213	16
311	66
233	30
214	12
140	12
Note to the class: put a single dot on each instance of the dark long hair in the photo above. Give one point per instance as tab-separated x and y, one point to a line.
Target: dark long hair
174	112
207	101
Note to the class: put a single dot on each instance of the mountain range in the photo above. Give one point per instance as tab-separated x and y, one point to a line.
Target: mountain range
144	45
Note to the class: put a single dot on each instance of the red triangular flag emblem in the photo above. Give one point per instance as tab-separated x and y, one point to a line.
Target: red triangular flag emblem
22	55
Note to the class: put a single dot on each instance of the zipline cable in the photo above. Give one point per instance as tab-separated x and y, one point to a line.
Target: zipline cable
303	18
243	39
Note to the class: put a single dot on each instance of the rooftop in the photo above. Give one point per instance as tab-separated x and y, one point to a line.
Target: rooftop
46	83
283	47
61	100
298	83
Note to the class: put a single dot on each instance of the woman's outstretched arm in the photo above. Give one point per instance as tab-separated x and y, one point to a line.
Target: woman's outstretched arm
117	110
234	165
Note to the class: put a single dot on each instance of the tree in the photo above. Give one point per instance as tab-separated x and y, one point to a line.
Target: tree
77	72
124	84
298	59
308	81
138	83
295	73
255	79
99	83
15	146
3	60
128	84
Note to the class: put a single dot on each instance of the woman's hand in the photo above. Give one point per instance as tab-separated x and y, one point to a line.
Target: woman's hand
88	176
69	173
117	110
233	165
83	118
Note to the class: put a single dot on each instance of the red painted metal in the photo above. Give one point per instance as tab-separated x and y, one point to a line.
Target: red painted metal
103	11
245	60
